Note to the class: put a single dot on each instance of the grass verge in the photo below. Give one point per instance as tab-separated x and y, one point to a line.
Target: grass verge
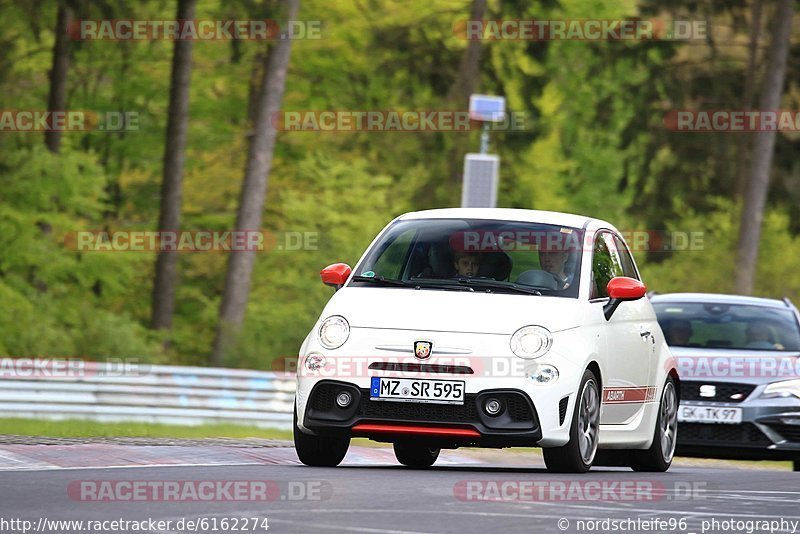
78	428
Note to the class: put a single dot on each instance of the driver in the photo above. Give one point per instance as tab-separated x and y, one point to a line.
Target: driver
679	332
554	262
466	264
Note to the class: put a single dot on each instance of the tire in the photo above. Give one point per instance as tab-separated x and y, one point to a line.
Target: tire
658	457
578	454
796	464
319	451
416	456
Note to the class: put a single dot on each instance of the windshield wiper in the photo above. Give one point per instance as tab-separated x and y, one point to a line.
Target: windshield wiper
461	284
440	284
495	284
382	281
416	284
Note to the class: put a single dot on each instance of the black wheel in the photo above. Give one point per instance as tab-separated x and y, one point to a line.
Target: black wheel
578	454
319	451
413	455
658	457
796	464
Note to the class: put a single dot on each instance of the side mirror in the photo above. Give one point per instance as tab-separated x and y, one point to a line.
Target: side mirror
620	289
335	275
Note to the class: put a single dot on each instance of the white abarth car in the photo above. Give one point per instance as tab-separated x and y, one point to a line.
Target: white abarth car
490	328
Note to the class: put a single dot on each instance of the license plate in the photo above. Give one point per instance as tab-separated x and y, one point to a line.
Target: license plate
413	390
709	414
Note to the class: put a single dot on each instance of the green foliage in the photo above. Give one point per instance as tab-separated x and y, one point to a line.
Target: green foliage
594	143
58	301
709	266
340	207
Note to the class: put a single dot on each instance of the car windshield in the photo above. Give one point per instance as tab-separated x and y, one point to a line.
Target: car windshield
475	255
728	326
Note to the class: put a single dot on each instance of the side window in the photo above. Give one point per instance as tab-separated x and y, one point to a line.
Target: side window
605	264
628	267
601	268
390	262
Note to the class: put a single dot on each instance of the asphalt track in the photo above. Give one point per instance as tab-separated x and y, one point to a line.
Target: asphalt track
369	492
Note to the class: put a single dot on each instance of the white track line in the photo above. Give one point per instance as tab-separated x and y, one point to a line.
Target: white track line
77	468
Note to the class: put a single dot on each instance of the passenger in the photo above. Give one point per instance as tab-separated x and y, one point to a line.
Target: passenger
466	264
554	262
679	332
758	336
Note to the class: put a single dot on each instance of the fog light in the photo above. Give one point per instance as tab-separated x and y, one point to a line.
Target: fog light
343	399
790	420
544	374
492	406
315	362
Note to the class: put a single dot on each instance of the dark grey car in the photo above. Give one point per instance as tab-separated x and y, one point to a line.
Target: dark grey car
739	362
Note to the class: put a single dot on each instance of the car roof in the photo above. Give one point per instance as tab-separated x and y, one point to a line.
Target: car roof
718	298
505	214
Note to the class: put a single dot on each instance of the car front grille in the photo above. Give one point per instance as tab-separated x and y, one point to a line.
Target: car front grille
723	391
421	368
739	435
517	412
415	411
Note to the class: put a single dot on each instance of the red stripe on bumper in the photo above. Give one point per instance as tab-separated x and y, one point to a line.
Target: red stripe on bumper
415	430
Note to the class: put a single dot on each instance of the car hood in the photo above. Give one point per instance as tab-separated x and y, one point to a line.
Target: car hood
452	311
739	366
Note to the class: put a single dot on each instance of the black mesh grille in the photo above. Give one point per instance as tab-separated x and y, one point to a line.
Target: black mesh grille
562	410
518	408
408	367
324	397
724	391
789	432
742	435
415	411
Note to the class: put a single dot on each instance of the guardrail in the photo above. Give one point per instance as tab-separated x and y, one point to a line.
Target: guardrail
72	389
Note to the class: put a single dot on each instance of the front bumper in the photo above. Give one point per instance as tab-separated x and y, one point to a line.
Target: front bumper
516	425
770	428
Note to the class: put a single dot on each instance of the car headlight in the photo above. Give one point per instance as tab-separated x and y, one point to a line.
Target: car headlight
784	388
531	342
333	332
544	374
